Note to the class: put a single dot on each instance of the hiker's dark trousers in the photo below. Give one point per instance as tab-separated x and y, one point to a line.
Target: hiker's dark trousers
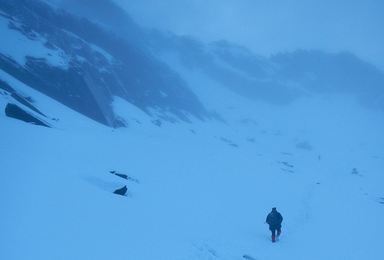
275	228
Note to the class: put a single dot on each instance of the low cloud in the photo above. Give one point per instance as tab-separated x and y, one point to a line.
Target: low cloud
268	27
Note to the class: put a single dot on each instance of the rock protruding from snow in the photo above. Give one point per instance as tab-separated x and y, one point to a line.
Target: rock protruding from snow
122	191
14	111
124	176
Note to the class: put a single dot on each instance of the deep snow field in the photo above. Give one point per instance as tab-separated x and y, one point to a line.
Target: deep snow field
200	190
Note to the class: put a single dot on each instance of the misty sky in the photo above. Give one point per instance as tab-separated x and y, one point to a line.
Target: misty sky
271	26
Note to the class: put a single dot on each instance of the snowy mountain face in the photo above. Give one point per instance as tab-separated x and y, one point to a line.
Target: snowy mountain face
85	62
239	134
84	66
282	78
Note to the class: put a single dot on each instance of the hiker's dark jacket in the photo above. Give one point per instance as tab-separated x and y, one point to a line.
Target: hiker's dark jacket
274	219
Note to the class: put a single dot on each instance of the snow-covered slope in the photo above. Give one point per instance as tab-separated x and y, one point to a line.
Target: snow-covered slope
195	191
298	131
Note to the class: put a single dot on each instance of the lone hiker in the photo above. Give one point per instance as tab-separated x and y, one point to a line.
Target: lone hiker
274	220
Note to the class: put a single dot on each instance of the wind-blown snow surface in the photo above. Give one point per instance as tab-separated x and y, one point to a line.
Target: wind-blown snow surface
203	190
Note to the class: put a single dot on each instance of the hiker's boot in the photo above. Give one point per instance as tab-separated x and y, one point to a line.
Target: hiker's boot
273	239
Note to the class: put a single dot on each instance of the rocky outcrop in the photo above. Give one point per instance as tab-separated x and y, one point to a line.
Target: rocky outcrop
14	111
84	65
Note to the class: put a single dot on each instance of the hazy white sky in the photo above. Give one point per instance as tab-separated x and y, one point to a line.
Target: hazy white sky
271	26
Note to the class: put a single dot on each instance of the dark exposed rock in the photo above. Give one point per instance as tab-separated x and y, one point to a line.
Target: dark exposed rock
14	111
124	176
122	191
